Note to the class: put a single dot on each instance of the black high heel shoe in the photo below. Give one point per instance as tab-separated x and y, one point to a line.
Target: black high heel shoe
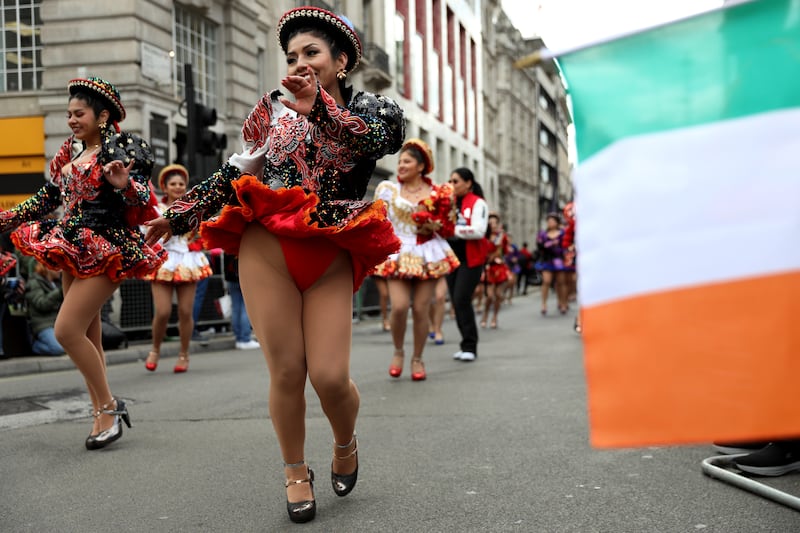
106	437
343	484
306	510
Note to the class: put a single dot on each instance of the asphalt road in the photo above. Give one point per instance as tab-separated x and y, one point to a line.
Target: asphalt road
497	445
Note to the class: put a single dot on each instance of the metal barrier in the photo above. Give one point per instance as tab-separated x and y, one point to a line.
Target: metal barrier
715	467
135	303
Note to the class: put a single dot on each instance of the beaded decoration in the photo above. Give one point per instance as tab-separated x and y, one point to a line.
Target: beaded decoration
318	17
101	87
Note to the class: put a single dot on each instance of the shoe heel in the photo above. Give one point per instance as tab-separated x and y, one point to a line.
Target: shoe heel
122	410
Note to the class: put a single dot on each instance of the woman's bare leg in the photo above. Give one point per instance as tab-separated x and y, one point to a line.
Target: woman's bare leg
547	280
561	291
400	296
383	301
327	326
76	330
420	312
437	308
186	292
162	309
275	307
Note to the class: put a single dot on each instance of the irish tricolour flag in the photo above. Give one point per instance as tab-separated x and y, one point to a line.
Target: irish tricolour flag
688	227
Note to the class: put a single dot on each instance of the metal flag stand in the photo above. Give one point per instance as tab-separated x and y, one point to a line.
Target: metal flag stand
716	467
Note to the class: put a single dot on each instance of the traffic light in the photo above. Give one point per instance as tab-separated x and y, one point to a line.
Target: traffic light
180	145
207	142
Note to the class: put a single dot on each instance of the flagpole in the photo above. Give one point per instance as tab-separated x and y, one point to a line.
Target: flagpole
544	54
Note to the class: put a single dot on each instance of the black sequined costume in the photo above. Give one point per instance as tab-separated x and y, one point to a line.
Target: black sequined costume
303	178
98	232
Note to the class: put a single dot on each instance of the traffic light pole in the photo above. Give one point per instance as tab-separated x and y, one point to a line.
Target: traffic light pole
191	121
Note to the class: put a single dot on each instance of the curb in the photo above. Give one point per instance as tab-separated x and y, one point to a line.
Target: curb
35	364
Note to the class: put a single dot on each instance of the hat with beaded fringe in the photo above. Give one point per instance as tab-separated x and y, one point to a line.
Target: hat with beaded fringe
338	26
102	88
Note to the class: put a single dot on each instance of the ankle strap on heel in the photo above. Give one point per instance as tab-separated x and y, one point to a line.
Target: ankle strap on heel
353	442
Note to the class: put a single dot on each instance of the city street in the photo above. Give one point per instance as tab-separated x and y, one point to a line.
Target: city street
497	445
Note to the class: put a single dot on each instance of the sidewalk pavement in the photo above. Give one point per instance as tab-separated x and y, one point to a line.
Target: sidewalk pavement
136	351
32	364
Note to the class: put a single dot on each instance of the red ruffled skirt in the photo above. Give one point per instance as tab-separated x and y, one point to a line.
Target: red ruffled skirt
497	273
120	253
366	234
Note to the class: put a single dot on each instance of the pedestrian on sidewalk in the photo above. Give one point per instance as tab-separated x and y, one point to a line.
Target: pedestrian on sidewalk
293	211
423	215
240	322
470	245
100	177
179	275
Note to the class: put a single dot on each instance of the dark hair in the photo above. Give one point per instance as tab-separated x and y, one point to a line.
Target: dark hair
415	153
328	38
467	175
97	103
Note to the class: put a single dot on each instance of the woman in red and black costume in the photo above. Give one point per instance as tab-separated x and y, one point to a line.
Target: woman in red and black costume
292	210
100	177
498	274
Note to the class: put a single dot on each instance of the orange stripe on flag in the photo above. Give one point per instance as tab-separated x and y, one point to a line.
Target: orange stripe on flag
712	363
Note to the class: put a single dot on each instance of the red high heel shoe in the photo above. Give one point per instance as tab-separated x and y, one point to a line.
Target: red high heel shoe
420	374
183	363
151	363
396	368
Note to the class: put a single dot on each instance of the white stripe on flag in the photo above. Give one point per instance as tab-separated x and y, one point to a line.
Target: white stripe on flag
692	206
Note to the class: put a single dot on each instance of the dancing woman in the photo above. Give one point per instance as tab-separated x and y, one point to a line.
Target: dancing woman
423	216
498	274
101	179
293	213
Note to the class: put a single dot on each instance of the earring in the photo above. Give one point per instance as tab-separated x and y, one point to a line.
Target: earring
102	125
341	75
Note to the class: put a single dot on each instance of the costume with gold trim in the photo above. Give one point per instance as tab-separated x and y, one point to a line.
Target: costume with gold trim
421	256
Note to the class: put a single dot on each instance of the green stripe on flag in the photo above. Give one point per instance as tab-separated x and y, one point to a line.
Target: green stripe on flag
720	65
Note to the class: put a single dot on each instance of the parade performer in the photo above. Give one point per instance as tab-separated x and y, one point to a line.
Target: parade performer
100	176
423	215
498	274
293	213
185	266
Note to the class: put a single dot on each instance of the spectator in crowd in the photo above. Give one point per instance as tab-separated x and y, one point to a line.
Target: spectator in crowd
43	295
178	275
8	261
240	322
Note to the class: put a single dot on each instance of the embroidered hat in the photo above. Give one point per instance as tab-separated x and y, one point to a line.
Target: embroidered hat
425	150
169	170
338	26
102	88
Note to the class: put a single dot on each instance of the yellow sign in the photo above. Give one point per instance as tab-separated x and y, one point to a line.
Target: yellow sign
7	201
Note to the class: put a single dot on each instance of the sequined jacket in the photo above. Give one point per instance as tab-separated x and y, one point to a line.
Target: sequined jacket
331	152
87	198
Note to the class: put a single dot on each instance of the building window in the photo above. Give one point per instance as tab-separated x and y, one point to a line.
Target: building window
196	43
544	136
22	45
399	49
418	76
434	87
